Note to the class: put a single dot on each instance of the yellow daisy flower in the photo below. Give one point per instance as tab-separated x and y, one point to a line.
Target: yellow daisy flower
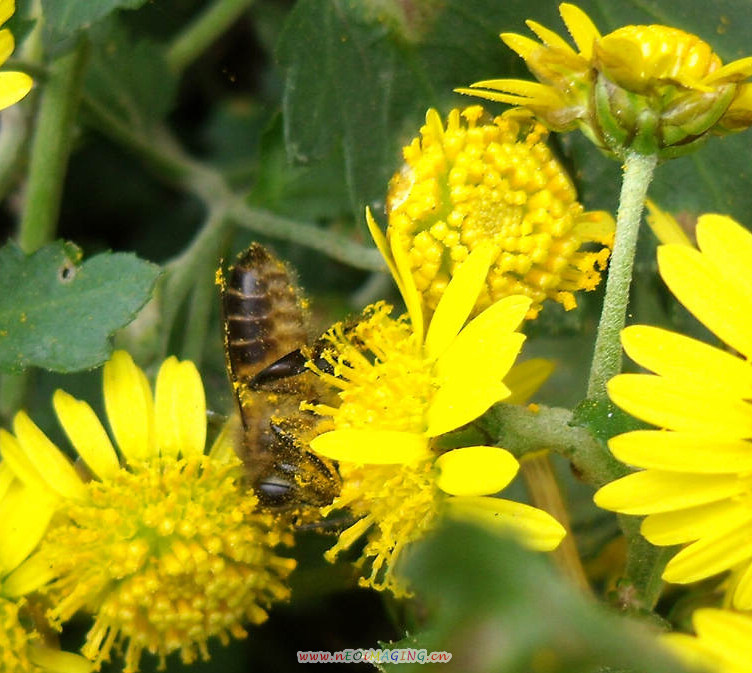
723	643
649	89
25	513
159	542
695	485
480	180
13	85
398	393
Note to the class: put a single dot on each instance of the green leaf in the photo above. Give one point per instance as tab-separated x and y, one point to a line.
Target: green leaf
58	313
68	16
500	609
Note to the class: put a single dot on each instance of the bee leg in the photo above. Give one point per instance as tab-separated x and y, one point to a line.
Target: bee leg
292	364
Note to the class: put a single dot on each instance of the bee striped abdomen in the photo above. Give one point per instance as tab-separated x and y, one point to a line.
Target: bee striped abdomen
263	316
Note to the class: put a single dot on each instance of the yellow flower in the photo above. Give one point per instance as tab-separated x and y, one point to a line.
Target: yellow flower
695	487
160	543
649	89
665	227
13	85
481	180
398	393
25	513
723	643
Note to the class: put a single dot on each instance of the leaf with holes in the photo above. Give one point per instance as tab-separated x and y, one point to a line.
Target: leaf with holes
58	313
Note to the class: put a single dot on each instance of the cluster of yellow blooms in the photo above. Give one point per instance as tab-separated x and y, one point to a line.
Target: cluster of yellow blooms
159	542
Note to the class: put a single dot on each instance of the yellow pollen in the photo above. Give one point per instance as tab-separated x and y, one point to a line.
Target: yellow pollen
165	556
493	180
14	640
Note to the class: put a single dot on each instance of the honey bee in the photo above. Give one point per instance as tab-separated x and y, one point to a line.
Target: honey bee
265	338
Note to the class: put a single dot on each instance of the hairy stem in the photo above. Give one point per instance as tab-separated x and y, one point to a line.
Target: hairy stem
50	149
202	31
638	173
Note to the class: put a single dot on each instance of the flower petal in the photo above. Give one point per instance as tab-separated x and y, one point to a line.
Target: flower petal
678	406
475	470
665	227
654	491
718	304
13	87
375	447
532	526
7	7
580	27
684	359
130	407
726	632
742	595
549	37
460	401
6	477
728	246
525	378
710	555
682	452
687	525
223	449
18	462
180	409
458	300
24	515
6	45
52	465
28	577
56	661
87	434
409	291
383	247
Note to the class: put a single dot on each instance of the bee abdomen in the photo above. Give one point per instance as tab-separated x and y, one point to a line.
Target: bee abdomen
263	317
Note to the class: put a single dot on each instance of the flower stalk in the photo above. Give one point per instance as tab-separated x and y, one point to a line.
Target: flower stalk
607	356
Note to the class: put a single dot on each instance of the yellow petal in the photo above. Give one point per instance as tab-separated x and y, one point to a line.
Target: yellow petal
726	632
6	45
549	37
24	515
18	462
731	72
494	96
381	243
742	595
180	409
223	449
87	434
130	407
7	7
13	87
475	470
460	401
682	452
375	447
541	93
6	477
710	555
410	293
52	465
688	525
458	300
524	46
665	226
55	661
718	304
653	491
678	406
684	359
526	378
532	526
581	28
728	246
32	574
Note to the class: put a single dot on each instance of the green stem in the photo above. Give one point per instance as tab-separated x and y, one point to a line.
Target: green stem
171	163
204	30
50	149
638	173
522	431
640	588
204	295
